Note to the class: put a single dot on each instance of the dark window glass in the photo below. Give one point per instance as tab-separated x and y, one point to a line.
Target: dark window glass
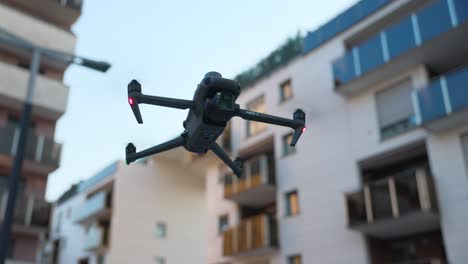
343	69
223	223
286	91
461	9
296	259
431	102
292	203
381	203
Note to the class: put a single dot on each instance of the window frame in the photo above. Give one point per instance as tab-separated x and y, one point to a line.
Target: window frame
164	233
288	207
256	101
282	94
225	216
291	258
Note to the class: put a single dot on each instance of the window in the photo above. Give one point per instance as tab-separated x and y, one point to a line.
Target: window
287	149
465	149
161	230
395	109
253	128
292	203
286	91
100	259
160	260
223	223
296	259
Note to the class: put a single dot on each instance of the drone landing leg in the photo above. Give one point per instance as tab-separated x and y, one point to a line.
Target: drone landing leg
132	155
225	158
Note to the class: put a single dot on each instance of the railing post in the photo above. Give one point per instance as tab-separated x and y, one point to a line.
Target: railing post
39	148
368	203
29	211
3	205
393	197
423	190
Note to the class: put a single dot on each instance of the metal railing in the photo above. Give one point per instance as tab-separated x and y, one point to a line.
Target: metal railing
257	171
39	148
404	193
30	211
251	234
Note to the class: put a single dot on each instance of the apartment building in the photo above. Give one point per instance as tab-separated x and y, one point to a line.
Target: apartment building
46	23
149	212
380	176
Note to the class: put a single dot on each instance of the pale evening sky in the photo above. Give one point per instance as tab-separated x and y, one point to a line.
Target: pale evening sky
168	46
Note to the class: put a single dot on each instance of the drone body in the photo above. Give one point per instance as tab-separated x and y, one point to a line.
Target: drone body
212	107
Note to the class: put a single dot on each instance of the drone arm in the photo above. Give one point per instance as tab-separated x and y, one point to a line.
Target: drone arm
297	123
132	155
165	101
225	158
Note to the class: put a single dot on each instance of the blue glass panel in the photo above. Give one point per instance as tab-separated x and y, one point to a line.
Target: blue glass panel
328	31
343	69
370	6
371	54
457	85
311	41
431	102
461	7
349	18
400	38
434	20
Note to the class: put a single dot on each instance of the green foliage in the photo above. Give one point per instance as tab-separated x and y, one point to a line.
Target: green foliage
279	57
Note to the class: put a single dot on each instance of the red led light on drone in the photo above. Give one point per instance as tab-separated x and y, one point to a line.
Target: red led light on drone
131	101
304	129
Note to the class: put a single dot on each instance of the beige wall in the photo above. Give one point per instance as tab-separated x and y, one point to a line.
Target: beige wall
163	191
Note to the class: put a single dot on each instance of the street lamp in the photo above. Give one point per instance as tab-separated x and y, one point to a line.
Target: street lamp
38	52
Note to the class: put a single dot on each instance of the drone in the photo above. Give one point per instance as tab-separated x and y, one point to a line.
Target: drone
212	107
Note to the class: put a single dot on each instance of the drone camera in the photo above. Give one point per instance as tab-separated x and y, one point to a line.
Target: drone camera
134	92
299	115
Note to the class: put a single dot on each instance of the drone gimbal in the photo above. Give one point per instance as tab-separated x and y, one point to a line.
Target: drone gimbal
213	105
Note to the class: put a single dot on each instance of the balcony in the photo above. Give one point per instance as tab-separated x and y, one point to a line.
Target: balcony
399	205
96	207
63	13
50	96
31	213
42	154
96	238
414	40
443	104
36	30
256	187
252	237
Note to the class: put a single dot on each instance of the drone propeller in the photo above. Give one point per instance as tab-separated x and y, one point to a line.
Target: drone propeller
134	92
299	115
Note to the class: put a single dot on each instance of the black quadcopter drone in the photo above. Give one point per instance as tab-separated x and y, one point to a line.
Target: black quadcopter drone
213	105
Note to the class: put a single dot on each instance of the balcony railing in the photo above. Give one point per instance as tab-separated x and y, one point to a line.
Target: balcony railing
382	206
446	96
256	186
409	33
257	234
96	207
39	149
422	261
96	238
29	211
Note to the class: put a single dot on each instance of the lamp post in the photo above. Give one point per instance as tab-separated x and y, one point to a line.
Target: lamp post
37	54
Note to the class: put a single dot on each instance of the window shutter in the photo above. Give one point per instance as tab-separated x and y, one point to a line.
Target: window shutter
394	104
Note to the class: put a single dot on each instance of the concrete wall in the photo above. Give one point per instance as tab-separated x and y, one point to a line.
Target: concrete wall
451	178
162	191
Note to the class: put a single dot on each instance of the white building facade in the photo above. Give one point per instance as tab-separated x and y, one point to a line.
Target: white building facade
380	175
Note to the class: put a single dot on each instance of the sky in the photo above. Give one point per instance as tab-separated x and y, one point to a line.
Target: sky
167	46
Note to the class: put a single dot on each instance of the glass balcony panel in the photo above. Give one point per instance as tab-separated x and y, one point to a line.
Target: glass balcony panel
407	193
400	38
93	205
461	7
370	6
371	54
20	210
31	146
51	152
434	20
343	69
356	208
94	237
458	90
431	102
41	212
6	139
328	30
381	203
349	17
